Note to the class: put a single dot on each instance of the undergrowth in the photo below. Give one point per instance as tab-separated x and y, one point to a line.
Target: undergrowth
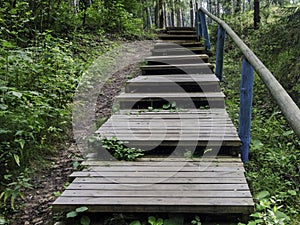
37	86
273	170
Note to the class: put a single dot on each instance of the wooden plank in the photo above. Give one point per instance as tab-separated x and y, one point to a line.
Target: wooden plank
182	112
163	169
180	28
175	78
208	209
173	83
171	161
144	142
178	66
198	95
157	186
178	51
177	37
160	44
181	32
199	68
158	175
157	201
149	180
146	194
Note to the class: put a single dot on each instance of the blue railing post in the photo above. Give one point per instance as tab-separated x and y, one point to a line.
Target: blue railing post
198	25
220	52
204	30
245	108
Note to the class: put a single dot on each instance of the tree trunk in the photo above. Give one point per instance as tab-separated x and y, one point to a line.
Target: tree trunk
256	15
179	17
192	13
172	22
148	18
237	7
165	17
157	14
209	4
218	8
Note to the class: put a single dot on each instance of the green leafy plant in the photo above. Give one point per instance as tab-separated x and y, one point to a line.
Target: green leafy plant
84	220
13	189
136	222
121	152
155	221
267	211
171	106
196	221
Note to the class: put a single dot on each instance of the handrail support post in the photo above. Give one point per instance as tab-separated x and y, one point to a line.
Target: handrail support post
246	108
204	30
220	52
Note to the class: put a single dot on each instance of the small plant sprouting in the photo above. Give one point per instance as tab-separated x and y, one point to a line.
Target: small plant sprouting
170	106
153	221
121	152
196	221
84	220
267	210
13	190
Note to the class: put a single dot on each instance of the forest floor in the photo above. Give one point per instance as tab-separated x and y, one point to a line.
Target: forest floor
51	181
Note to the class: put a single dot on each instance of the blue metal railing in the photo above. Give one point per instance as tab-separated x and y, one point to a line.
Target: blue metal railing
249	64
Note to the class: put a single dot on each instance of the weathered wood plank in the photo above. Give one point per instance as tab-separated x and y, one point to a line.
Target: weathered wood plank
163	169
178	66
178	51
173	83
170	208
181	32
180	28
149	180
177	59
207	95
158	175
160	44
158	186
198	78
209	204
150	193
178	37
198	68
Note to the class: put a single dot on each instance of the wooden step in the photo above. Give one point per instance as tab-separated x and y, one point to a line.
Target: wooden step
182	32
161	45
186	37
178	51
177	59
159	189
174	83
199	68
180	28
182	99
152	130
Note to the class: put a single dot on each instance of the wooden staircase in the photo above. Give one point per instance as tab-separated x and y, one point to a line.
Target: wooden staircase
174	110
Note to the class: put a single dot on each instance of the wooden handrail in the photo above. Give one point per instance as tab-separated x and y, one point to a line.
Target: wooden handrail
286	104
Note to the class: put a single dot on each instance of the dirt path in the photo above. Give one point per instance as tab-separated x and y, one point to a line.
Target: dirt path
49	182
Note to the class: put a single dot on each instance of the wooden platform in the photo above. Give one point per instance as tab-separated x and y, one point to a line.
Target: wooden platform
178	51
160	185
200	68
167	179
173	84
177	59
